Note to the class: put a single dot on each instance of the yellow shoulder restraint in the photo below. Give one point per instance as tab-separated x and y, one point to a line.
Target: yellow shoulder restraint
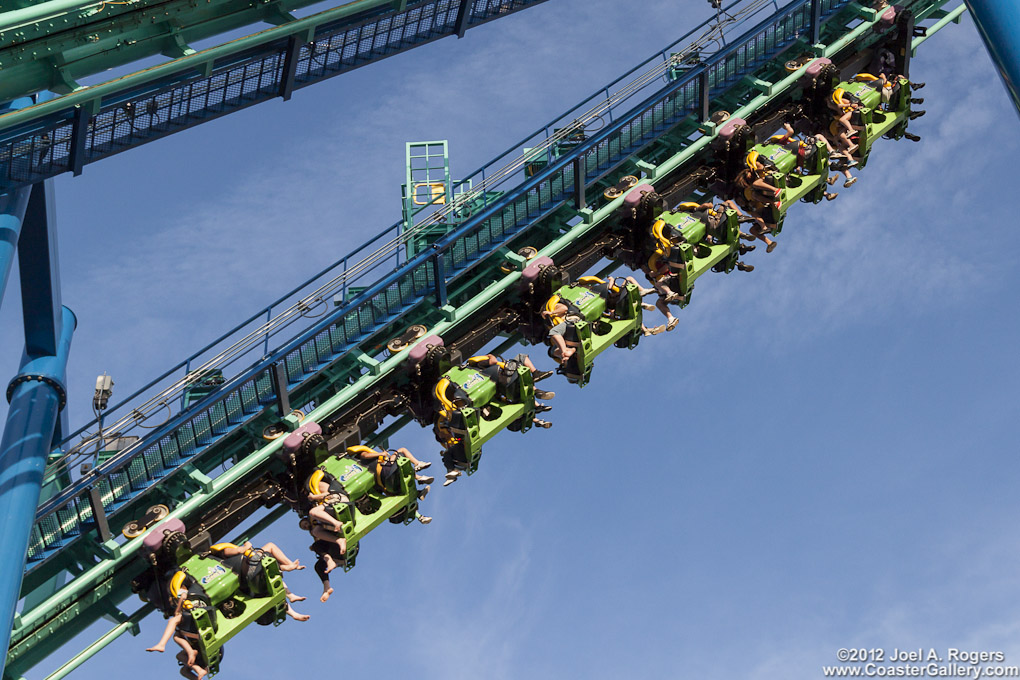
550	305
662	244
176	584
379	457
313	481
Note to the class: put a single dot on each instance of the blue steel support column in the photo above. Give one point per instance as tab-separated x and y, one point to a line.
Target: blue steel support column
998	21
36	396
12	213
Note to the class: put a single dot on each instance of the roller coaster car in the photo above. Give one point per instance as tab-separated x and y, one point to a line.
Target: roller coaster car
693	242
878	120
476	402
220	602
367	496
798	168
599	323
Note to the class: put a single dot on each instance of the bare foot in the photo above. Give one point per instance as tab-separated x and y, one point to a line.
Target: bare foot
325	594
569	352
157	648
200	673
330	566
293	566
295	598
296	616
192	657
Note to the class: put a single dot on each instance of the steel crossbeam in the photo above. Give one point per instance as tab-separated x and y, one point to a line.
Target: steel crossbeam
67	133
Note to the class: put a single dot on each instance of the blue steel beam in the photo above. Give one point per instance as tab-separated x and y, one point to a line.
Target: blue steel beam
12	213
36	396
998	22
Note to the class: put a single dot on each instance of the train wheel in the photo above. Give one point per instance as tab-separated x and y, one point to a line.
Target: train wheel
401	341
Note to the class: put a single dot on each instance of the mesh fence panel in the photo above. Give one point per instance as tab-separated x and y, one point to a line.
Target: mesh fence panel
140	113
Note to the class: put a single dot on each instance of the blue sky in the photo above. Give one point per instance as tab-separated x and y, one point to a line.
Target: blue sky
822	455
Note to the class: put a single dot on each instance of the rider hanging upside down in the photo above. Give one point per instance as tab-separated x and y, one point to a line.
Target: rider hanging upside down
246	561
843	109
491	393
324	491
561	314
759	196
753	185
329	558
181	626
387	471
489	364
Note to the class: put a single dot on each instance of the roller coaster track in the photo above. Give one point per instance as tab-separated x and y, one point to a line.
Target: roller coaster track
91	123
335	364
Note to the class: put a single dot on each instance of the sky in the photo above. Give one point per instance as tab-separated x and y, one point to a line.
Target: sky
821	456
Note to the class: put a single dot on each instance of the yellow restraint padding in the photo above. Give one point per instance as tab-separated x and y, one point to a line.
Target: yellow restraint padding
358	448
689	206
662	244
864	78
440	393
752	160
837	99
550	306
653	263
313	481
176	584
220	547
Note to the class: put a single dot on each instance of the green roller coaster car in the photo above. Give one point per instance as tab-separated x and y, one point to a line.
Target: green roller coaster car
367	497
868	92
265	604
799	169
220	602
598	322
477	402
693	242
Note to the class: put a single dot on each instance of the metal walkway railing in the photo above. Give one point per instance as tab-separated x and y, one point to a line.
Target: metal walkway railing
97	122
389	297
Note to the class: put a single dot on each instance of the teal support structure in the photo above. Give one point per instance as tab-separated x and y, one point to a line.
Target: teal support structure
37	395
12	213
998	22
